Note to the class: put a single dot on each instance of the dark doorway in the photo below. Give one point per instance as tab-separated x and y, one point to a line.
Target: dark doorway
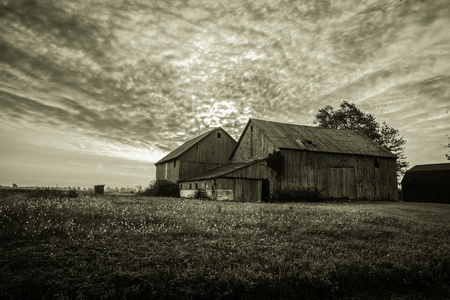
265	192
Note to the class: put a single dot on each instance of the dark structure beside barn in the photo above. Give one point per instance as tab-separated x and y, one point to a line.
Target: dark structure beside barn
427	183
271	157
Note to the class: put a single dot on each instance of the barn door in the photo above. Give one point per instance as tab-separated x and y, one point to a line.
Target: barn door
341	183
265	193
237	190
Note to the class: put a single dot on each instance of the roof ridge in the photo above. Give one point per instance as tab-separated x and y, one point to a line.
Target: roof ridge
321	139
197	139
301	125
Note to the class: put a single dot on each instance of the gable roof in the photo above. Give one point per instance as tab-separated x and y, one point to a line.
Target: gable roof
188	145
428	174
222	170
318	139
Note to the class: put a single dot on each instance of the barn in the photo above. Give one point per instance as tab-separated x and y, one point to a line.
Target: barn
272	156
427	183
204	152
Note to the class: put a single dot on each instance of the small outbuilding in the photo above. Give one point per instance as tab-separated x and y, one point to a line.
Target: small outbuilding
99	189
427	183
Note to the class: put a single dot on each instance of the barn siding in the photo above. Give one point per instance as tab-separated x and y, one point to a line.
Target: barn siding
167	171
340	175
258	171
335	175
235	189
253	144
209	153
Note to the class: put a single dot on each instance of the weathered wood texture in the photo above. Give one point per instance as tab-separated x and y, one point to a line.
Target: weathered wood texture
168	170
253	144
340	175
258	171
210	152
236	189
247	190
335	175
284	156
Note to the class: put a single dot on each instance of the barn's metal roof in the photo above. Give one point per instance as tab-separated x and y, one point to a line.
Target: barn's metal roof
428	174
187	145
222	170
318	139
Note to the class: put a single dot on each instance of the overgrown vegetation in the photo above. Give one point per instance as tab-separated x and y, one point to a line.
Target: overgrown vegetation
141	247
162	188
52	193
297	195
201	195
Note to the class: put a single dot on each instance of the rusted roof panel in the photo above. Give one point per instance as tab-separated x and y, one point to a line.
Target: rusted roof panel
318	139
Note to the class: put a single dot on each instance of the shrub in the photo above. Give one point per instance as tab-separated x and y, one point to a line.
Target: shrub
201	194
162	188
297	195
72	193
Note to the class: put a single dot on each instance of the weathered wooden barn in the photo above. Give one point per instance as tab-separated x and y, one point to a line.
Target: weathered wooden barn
271	156
204	152
427	183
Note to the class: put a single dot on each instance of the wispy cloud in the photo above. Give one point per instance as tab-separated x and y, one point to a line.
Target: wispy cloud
124	78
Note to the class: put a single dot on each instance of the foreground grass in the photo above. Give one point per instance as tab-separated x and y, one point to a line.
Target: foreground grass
118	247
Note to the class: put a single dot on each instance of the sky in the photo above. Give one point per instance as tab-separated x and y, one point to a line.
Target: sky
97	91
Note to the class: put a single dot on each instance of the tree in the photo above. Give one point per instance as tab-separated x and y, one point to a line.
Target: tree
350	117
447	155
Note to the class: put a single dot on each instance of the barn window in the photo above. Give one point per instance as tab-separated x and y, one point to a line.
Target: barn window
190	186
219	135
251	128
174	163
308	142
181	186
196	186
376	162
196	145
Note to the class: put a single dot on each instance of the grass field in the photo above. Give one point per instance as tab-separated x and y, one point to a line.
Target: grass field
136	247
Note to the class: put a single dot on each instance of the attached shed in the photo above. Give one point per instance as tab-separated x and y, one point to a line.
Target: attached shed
427	183
204	152
229	182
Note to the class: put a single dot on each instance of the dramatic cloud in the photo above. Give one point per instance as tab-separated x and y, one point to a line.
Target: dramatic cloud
133	79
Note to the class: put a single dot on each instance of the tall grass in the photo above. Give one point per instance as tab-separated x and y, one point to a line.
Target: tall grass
137	247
